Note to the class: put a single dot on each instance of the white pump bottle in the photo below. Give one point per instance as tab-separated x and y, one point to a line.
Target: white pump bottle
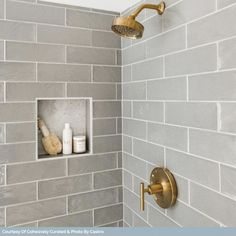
67	139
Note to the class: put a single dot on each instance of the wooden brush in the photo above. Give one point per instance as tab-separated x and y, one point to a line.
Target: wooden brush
51	142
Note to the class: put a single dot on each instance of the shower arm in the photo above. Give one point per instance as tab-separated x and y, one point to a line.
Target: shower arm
158	7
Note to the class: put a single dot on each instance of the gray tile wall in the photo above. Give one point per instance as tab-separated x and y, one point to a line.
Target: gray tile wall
179	111
49	50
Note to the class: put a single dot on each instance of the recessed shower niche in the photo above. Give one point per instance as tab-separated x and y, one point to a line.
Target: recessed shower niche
56	112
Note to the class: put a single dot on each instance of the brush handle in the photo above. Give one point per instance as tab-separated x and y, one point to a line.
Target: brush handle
43	127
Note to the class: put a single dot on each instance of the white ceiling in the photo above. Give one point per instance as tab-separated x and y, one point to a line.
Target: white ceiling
109	5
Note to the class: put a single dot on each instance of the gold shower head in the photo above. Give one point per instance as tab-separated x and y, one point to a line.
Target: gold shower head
130	28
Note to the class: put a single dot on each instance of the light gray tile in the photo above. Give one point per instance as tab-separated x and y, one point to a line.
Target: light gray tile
134	165
64	72
108	214
127	180
149	152
119	125
215	146
63	35
187	217
1	50
96	91
227	54
11	153
126	73
166	43
199	115
2	217
127	144
2	133
189	167
106	74
2	3
119	161
13	30
192	61
83	219
34	52
134	128
32	224
228	117
148	70
139	222
228	178
20	132
105	39
94	199
107	144
17	71
107	179
107	109
91	55
171	136
224	3
185	11
64	186
206	201
104	126
35	13
152	111
35	171
167	89
19	193
2	92
213	87
134	91
88	20
126	109
158	219
212	28
92	163
35	211
183	188
21	111
115	224
125	42
30	91
127	215
2	175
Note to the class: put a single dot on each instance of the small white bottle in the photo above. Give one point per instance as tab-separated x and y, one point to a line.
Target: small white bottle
67	139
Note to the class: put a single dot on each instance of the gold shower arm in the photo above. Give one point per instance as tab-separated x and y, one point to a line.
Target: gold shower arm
159	7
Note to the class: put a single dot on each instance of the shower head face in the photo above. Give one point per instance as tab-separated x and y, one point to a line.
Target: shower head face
127	27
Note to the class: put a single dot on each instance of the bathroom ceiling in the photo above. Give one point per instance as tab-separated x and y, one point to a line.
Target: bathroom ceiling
109	5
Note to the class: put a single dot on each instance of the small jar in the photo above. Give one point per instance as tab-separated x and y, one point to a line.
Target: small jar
79	144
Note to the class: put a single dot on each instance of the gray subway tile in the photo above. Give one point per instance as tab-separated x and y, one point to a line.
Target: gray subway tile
107	109
183	188
127	215
32	224
150	69
94	199
193	168
11	153
64	72
35	171
192	61
1	49
20	132
107	179
86	55
206	201
127	144
126	73
107	144
63	35
139	222
199	115
89	20
17	71
213	87
105	39
149	152
35	211
228	177
34	52
134	91
212	28
2	3
83	219
19	193
92	163
151	111
104	126
126	108
21	111
2	217
2	175
134	128
30	91
96	91
167	89
212	145
108	214
13	30
224	3
64	186
127	179
35	13
228	117
106	74
2	133
2	92
171	136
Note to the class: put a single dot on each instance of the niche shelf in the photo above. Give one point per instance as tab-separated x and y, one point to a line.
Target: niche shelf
56	112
